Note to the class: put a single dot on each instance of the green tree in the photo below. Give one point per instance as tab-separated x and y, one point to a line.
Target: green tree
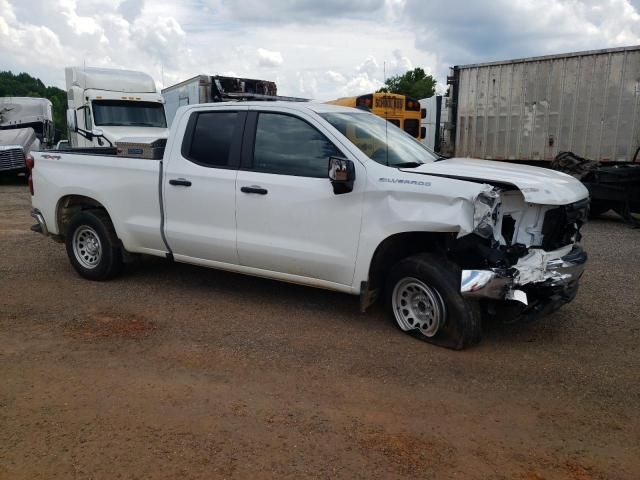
24	85
414	83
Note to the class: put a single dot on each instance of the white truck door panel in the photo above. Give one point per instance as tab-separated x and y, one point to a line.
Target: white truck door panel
299	226
199	186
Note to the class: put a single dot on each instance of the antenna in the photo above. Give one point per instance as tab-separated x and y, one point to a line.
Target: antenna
386	120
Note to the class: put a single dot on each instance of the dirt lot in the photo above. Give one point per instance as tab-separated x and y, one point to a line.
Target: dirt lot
174	371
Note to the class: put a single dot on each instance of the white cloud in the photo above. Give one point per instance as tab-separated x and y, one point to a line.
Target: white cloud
130	9
269	58
471	32
359	84
369	66
307	84
399	64
301	11
332	48
335	77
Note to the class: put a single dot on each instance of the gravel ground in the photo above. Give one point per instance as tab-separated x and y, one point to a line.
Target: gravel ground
173	371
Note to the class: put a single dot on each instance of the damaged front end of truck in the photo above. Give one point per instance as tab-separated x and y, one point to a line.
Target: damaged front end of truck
523	259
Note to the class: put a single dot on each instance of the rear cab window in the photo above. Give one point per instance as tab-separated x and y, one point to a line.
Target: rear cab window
212	138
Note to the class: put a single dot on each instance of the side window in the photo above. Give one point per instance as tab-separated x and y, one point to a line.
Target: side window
211	138
287	145
87	118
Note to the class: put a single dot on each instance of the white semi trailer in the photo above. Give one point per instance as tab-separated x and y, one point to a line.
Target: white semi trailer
108	104
531	109
26	124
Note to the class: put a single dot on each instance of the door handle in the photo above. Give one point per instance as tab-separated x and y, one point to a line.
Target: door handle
180	182
254	189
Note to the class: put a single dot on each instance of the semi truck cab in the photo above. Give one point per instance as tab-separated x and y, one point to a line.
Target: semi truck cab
108	104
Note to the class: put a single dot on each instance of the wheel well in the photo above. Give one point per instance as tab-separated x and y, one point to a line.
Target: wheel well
402	245
69	205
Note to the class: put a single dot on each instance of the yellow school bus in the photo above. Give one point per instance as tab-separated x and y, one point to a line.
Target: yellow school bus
404	112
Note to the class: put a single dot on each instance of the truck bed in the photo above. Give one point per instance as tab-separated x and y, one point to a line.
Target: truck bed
116	182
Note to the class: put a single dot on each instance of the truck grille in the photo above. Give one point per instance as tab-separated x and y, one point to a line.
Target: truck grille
12	159
562	225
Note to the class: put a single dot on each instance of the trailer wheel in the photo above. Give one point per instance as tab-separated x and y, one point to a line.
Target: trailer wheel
92	245
423	297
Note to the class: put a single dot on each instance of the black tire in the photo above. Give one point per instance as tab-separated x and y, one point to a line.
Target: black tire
461	326
108	263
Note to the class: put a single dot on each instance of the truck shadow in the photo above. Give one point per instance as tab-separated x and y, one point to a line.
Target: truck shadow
12	178
261	293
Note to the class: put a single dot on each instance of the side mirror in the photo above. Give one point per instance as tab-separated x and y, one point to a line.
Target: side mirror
423	132
72	120
342	173
97	132
423	113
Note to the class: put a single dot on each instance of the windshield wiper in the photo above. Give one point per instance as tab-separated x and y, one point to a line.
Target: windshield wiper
407	165
143	124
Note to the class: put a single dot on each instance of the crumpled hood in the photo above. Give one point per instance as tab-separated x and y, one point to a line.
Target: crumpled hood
538	185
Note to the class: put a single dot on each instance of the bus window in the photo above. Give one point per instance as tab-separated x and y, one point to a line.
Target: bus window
412	127
402	111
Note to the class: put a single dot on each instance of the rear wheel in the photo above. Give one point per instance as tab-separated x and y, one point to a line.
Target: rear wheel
423	297
92	245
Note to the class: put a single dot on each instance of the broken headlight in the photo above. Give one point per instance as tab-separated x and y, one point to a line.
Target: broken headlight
485	213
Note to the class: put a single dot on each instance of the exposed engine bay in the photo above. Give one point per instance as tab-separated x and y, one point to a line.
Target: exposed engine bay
520	251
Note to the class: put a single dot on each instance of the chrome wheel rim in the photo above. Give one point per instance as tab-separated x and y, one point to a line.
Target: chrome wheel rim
87	247
417	306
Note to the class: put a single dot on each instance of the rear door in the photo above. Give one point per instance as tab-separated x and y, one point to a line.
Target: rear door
199	185
289	219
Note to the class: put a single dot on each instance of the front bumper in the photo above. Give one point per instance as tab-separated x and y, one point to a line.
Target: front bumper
538	269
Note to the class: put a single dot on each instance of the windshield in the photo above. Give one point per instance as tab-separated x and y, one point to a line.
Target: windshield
380	140
125	113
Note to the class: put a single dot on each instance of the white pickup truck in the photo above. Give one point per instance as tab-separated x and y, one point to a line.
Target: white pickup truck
330	197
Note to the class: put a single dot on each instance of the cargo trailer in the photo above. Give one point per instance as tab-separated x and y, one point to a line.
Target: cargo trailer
531	109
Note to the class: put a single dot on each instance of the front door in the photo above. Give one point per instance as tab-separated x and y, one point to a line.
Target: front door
199	186
289	219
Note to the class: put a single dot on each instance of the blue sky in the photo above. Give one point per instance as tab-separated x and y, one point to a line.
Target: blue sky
319	49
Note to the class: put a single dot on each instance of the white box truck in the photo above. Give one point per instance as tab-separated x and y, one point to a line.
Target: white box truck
217	88
108	104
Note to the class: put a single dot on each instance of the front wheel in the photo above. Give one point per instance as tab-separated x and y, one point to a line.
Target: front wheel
92	246
423	297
